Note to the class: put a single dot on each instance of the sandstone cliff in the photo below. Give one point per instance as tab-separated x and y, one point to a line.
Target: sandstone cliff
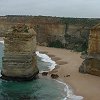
70	33
91	64
19	61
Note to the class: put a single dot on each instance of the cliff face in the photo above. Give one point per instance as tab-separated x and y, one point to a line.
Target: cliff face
71	33
94	40
91	64
49	32
19	61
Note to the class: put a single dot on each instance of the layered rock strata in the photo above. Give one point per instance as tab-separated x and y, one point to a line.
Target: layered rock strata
91	64
19	61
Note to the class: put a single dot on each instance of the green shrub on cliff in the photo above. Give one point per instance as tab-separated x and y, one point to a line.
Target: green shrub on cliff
77	43
56	44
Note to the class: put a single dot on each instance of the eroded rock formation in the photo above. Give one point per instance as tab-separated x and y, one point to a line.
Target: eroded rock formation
91	64
19	61
70	33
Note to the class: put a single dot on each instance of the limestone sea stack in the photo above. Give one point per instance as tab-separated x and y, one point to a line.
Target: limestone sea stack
19	61
91	64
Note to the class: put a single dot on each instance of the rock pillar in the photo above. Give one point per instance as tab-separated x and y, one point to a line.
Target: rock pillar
91	64
19	61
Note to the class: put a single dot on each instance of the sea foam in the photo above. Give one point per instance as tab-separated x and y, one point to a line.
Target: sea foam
2	42
46	58
69	92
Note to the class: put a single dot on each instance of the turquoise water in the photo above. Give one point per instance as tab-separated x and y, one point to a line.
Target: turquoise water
42	65
43	88
39	89
1	54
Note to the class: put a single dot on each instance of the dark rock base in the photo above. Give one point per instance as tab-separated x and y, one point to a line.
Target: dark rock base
44	73
20	79
54	76
90	66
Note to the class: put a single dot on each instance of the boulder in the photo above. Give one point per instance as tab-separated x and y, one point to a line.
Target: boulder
45	73
54	76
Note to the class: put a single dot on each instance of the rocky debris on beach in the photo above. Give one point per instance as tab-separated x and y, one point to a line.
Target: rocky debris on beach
54	76
19	61
67	75
91	64
53	71
44	73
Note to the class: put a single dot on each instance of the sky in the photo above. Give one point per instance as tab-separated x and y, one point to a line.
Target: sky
60	8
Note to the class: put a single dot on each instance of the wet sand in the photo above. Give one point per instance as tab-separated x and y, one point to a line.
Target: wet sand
68	62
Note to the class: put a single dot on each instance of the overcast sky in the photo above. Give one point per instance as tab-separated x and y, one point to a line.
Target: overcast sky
64	8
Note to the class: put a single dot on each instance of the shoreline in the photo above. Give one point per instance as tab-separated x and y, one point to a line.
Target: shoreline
1	40
84	85
51	75
68	63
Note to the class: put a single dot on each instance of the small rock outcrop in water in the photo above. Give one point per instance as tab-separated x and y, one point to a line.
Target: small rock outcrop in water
54	76
91	64
45	73
19	61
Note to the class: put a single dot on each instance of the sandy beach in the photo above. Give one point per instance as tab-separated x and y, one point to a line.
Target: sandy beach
68	62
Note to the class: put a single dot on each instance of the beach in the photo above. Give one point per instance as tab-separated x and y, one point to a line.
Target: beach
68	63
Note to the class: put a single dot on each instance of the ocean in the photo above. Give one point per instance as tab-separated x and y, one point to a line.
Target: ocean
43	88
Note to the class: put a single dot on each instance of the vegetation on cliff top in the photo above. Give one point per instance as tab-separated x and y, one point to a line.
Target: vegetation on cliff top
72	42
69	20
